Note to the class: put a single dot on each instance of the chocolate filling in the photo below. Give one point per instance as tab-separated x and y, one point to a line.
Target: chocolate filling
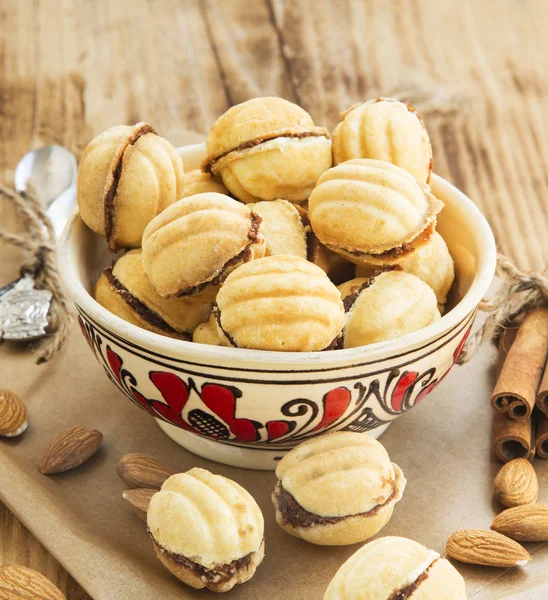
209	165
218	575
297	516
350	300
141	309
243	256
117	172
405	593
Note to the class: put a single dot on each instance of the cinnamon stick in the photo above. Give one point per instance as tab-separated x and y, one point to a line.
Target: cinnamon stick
542	394
512	438
516	389
542	435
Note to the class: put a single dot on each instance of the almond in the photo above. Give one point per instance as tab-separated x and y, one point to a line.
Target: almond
139	500
516	483
13	414
141	471
25	584
484	547
527	523
70	449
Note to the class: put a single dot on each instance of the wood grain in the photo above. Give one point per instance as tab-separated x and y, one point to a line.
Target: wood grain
72	68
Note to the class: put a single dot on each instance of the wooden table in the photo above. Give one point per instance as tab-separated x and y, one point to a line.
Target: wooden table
70	69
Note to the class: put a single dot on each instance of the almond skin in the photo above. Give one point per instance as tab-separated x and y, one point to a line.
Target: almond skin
13	414
25	584
141	471
488	548
516	483
527	523
139	499
70	449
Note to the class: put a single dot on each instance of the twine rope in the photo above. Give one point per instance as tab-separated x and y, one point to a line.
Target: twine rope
520	293
39	244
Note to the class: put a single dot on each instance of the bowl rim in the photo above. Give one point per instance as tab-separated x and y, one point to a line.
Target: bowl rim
478	226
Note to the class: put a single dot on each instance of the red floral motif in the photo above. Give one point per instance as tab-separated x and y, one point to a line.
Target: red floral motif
402	389
175	392
115	363
277	429
335	403
85	332
222	401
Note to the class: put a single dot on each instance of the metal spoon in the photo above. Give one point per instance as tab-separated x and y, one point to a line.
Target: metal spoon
52	171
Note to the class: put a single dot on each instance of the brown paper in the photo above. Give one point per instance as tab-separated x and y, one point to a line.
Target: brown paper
443	446
517	384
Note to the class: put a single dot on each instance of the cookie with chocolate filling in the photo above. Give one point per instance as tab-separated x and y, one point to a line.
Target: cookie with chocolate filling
396	568
282	303
191	247
431	263
386	306
125	290
385	129
198	182
127	175
267	148
372	212
210	333
207	530
336	489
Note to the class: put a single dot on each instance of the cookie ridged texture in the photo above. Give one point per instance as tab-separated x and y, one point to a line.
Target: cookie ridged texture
382	568
198	182
370	206
283	167
191	242
96	173
258	118
144	174
178	313
394	304
385	129
282	227
338	474
207	518
432	263
282	303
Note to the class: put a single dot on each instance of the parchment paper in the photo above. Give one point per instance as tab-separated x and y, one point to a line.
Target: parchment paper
442	445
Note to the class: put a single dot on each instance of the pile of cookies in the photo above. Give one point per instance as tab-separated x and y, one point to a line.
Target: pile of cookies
248	251
336	489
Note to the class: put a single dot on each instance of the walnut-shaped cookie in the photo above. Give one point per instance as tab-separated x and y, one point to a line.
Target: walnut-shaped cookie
431	262
198	182
268	148
282	303
191	247
287	230
371	211
207	530
127	175
386	306
396	568
125	290
336	489
385	129
210	333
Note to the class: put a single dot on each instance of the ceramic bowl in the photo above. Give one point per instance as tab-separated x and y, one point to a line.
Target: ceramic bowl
248	407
